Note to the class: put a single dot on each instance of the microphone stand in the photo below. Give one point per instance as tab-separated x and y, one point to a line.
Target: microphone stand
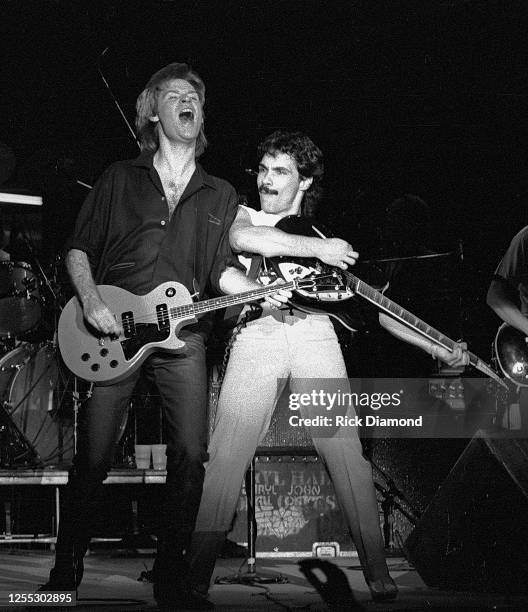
114	99
391	494
251	577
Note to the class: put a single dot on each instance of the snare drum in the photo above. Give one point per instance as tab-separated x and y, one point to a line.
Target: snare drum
20	309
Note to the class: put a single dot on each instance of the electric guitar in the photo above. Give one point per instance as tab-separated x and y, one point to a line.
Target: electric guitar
511	351
346	285
150	322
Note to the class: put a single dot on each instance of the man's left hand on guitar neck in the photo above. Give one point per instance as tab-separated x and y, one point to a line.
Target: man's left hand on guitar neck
458	358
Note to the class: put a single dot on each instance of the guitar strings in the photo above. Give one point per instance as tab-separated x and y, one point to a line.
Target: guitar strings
221	302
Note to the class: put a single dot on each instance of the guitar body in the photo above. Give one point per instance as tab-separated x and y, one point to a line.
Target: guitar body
511	350
327	298
150	322
148	327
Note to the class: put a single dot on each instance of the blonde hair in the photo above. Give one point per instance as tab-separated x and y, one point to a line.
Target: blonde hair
146	130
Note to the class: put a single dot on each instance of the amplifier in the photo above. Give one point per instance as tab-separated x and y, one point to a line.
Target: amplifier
296	508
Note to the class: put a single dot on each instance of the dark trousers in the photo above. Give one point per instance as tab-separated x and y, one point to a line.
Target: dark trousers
181	381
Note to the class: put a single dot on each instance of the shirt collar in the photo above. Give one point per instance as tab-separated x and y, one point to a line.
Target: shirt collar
146	160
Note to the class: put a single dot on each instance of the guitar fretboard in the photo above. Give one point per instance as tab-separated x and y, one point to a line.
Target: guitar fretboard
404	316
227	300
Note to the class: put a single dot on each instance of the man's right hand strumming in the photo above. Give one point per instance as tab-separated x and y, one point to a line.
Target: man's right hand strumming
95	311
99	316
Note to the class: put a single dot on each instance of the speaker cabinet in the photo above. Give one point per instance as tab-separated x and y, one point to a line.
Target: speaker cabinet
473	535
295	508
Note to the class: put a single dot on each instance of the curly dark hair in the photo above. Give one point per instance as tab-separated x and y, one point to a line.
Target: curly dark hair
146	104
308	157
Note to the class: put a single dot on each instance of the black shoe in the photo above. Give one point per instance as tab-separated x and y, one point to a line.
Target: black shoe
180	599
63	579
56	586
383	589
232	550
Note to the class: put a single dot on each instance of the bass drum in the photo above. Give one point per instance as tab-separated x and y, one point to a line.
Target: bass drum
28	381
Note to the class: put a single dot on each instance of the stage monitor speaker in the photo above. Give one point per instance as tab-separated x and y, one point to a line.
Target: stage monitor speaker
473	534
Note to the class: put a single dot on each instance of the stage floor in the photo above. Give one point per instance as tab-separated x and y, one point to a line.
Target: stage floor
111	583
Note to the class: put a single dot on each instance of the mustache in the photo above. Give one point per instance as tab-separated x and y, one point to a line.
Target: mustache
268	191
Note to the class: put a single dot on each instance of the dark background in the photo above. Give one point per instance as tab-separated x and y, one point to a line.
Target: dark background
426	97
420	97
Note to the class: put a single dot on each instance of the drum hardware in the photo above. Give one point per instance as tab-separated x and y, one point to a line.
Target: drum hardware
40	400
40	270
15	449
20	304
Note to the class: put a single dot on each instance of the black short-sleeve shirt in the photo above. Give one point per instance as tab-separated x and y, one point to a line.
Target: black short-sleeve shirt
125	230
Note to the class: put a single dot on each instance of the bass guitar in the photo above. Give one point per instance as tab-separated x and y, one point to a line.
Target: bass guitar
150	322
347	284
511	351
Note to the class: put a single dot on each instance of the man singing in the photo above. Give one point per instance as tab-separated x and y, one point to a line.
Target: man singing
156	218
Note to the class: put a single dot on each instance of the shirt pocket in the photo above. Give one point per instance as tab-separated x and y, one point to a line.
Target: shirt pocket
214	220
117	271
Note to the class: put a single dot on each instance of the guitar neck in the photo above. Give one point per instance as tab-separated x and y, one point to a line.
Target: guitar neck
402	315
227	300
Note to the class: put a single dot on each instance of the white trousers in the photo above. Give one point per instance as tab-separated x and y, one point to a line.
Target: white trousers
278	346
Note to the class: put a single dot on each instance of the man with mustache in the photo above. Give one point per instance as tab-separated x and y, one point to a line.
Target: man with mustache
287	343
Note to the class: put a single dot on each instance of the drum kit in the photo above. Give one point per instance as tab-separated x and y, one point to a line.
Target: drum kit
36	395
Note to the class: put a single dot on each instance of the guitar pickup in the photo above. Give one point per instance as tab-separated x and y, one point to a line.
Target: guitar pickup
129	327
162	314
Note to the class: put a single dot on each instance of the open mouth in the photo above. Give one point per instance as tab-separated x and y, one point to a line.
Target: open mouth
186	115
